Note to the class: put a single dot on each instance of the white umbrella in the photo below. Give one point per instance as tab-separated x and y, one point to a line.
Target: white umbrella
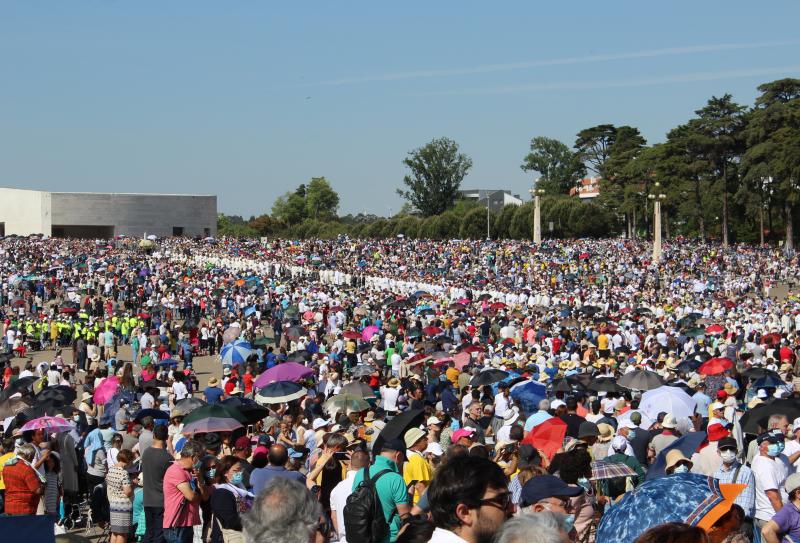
672	400
646	423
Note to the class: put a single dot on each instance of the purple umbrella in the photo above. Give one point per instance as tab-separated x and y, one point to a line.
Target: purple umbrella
287	371
211	424
368	332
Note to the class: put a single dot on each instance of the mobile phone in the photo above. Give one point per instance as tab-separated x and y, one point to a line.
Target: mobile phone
341	456
251	429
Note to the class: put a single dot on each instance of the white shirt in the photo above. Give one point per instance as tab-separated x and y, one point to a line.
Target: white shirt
445	536
180	391
769	474
147	401
339	496
792	446
500	405
389	396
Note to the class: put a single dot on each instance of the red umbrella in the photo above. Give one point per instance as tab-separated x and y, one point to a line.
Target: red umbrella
548	436
715	329
418	359
624	310
336	308
498	305
773	338
508	341
66	310
715	366
473	349
432	330
350	334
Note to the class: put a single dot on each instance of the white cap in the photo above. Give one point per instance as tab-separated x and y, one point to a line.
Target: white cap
433	420
761	393
628	424
796	424
556	404
319	423
434	448
717	405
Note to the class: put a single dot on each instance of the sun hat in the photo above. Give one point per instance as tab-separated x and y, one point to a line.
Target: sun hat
605	432
588	429
674	457
462	432
412	436
394	382
510	417
669	421
792	482
213	382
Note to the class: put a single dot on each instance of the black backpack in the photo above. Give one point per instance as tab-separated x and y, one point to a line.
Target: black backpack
363	514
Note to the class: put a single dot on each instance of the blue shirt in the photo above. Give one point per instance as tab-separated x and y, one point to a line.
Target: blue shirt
747	498
213	395
536	419
788	521
703	402
262	476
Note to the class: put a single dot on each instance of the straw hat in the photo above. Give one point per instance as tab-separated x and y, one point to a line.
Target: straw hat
213	382
394	382
606	432
674	457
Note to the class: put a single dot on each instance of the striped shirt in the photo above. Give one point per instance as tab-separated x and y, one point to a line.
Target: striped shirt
747	499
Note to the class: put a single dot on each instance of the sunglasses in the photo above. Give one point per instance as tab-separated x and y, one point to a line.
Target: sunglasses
501	501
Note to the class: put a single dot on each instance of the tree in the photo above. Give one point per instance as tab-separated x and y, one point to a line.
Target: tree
473	224
720	125
622	174
290	208
233	225
559	167
773	140
264	225
321	200
593	146
437	170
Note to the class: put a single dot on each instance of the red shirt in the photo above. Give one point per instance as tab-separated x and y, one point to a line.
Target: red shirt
248	383
22	485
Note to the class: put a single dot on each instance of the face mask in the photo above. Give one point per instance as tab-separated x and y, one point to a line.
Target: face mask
681	469
774	449
569	522
76	418
237	478
211	472
728	456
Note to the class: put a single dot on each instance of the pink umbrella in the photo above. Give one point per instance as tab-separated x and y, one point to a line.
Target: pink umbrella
464	301
106	390
48	424
308	315
368	332
461	360
285	371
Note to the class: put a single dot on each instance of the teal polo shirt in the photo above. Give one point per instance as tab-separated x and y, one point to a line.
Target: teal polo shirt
391	491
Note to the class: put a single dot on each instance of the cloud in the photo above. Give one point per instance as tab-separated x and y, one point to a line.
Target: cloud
617	83
491	68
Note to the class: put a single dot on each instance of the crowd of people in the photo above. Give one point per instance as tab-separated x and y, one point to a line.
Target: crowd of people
401	390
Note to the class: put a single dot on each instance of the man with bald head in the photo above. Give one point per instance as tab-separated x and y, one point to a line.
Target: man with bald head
278	457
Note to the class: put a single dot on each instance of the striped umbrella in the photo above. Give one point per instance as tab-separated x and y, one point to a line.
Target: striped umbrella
48	424
235	353
602	469
280	392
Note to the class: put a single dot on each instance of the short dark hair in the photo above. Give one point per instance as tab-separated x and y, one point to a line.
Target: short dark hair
462	479
572	404
160	432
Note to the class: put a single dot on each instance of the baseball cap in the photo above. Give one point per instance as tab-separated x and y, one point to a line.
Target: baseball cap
628	424
770	437
556	404
434	420
669	421
717	405
727	443
242	443
462	432
434	448
546	486
320	423
264	440
792	482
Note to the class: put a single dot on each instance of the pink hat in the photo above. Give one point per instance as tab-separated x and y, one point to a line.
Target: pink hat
463	432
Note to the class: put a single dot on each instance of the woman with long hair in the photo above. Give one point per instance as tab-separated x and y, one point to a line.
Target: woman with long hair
119	490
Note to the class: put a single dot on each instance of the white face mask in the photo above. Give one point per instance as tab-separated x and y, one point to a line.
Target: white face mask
683	468
728	456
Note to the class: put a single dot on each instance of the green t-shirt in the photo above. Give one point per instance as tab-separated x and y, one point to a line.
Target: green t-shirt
391	491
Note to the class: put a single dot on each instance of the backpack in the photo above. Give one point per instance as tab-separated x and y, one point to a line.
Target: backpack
363	514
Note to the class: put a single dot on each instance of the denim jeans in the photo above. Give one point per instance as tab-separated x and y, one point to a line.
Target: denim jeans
183	534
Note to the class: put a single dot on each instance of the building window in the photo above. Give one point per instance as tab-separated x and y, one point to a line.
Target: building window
177	230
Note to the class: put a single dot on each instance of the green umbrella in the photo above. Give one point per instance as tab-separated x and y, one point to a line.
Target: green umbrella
264	341
695	332
145	360
345	402
292	311
218	411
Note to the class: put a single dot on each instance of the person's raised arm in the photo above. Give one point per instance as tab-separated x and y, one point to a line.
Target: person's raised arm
775	499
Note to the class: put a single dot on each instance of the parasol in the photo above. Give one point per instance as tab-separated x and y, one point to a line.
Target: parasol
548	436
346	402
671	400
106	390
187	405
48	424
715	366
397	427
218	411
357	388
603	469
211	424
287	371
640	380
280	392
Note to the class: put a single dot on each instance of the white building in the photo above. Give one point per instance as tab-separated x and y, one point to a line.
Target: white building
496	198
105	215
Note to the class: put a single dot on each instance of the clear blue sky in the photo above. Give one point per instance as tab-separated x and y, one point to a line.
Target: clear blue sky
247	99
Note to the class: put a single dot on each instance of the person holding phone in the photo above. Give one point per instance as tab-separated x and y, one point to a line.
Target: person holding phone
184	489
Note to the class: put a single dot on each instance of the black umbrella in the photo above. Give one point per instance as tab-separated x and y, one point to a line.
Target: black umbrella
681	384
688	365
640	380
250	409
187	405
12	406
20	385
214	411
759	372
61	393
604	384
484	297
358	388
769	381
363	370
299	356
397	427
561	385
751	419
295	332
155	413
488	377
580	380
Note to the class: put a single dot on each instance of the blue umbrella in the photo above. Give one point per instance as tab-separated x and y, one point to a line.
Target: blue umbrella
528	394
686	444
691	498
168	363
769	381
249	310
235	353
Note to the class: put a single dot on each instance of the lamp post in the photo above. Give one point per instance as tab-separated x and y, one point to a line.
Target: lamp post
537	214
657	197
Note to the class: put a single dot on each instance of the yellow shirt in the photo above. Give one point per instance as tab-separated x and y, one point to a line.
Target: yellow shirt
3	459
417	469
452	375
602	342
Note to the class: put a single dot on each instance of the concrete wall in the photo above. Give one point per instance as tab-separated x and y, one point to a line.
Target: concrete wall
137	214
25	212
